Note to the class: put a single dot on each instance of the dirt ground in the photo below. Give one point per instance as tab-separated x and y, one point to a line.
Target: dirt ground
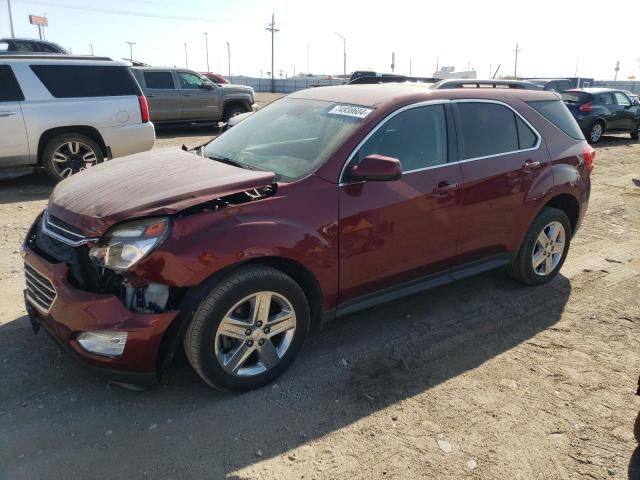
482	379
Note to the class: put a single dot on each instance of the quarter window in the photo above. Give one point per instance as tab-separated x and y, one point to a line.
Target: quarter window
417	137
526	137
159	80
74	81
486	129
9	89
622	99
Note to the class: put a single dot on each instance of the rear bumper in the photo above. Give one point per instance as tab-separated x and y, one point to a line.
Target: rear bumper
74	311
129	139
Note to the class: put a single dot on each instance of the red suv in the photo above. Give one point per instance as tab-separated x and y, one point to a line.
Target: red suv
324	203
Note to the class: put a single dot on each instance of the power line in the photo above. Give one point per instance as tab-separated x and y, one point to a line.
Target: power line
113	11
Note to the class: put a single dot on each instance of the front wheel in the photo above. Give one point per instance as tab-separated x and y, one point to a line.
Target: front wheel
544	248
232	111
248	330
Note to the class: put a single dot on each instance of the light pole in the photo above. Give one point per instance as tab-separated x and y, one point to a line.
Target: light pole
344	54
229	57
308	67
206	47
186	63
10	18
272	28
515	66
131	44
91	47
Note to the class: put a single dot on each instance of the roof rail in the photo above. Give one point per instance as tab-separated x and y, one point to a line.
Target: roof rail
472	83
53	56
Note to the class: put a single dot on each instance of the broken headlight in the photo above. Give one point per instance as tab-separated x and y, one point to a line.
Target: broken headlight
127	243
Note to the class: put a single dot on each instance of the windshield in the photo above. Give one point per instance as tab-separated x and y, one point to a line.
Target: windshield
291	137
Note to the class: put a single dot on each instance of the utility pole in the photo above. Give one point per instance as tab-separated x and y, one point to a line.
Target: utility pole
344	55
186	62
229	57
410	68
272	28
10	18
393	62
131	44
515	66
91	48
308	67
294	71
617	69
206	47
576	72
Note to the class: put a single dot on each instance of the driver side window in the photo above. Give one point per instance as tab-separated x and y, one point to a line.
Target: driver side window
417	137
190	81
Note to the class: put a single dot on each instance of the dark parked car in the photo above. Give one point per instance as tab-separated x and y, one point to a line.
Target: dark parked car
552	84
24	46
603	110
329	201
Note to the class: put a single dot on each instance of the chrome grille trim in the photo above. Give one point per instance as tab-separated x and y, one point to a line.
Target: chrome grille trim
54	230
40	291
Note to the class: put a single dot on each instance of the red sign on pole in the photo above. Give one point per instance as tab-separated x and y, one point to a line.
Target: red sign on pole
37	20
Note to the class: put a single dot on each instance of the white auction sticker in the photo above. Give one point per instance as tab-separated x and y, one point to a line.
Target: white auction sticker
350	111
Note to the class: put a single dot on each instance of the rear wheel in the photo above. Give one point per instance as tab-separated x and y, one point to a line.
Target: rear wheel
636	133
595	132
544	248
70	153
248	330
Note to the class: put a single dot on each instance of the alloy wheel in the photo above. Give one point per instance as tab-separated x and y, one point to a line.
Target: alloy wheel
548	249
255	334
596	132
73	157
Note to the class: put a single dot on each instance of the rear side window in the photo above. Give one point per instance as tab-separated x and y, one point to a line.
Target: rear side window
417	137
605	99
576	98
159	80
9	89
486	129
69	81
622	99
557	113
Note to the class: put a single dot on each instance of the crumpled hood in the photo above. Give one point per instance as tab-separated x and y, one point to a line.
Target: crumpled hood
158	182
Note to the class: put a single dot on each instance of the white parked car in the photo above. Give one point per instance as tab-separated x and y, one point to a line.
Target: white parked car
66	113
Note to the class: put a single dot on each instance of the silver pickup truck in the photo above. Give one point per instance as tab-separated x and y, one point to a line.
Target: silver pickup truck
181	95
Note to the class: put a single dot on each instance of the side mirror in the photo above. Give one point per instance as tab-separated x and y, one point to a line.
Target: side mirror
208	86
377	168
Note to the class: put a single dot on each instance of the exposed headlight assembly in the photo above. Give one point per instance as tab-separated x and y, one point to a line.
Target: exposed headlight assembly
127	243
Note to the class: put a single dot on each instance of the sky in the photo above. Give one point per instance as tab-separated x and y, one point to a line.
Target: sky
557	38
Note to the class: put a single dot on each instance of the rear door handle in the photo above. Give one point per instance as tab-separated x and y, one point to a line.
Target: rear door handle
7	114
187	95
530	166
443	189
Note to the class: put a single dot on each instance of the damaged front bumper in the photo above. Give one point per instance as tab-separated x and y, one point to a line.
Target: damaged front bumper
65	312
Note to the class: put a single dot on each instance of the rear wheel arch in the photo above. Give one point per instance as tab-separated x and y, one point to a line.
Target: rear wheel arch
569	205
90	132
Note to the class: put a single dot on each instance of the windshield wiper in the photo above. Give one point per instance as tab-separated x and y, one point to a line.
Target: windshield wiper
230	161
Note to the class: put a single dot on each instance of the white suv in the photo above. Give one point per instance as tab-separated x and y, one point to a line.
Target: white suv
66	113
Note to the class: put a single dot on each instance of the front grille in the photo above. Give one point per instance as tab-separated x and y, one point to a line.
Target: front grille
63	232
40	292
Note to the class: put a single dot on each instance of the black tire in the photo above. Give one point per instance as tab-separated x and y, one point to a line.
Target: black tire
636	428
200	336
521	267
53	169
233	110
595	132
636	133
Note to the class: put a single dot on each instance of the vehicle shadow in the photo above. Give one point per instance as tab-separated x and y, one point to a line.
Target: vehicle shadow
25	188
355	367
187	130
614	141
634	465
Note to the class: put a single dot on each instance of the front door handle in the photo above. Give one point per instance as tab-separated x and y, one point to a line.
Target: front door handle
530	166
443	189
7	114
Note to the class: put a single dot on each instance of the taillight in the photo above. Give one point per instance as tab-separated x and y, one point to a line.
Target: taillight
587	107
144	108
589	155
